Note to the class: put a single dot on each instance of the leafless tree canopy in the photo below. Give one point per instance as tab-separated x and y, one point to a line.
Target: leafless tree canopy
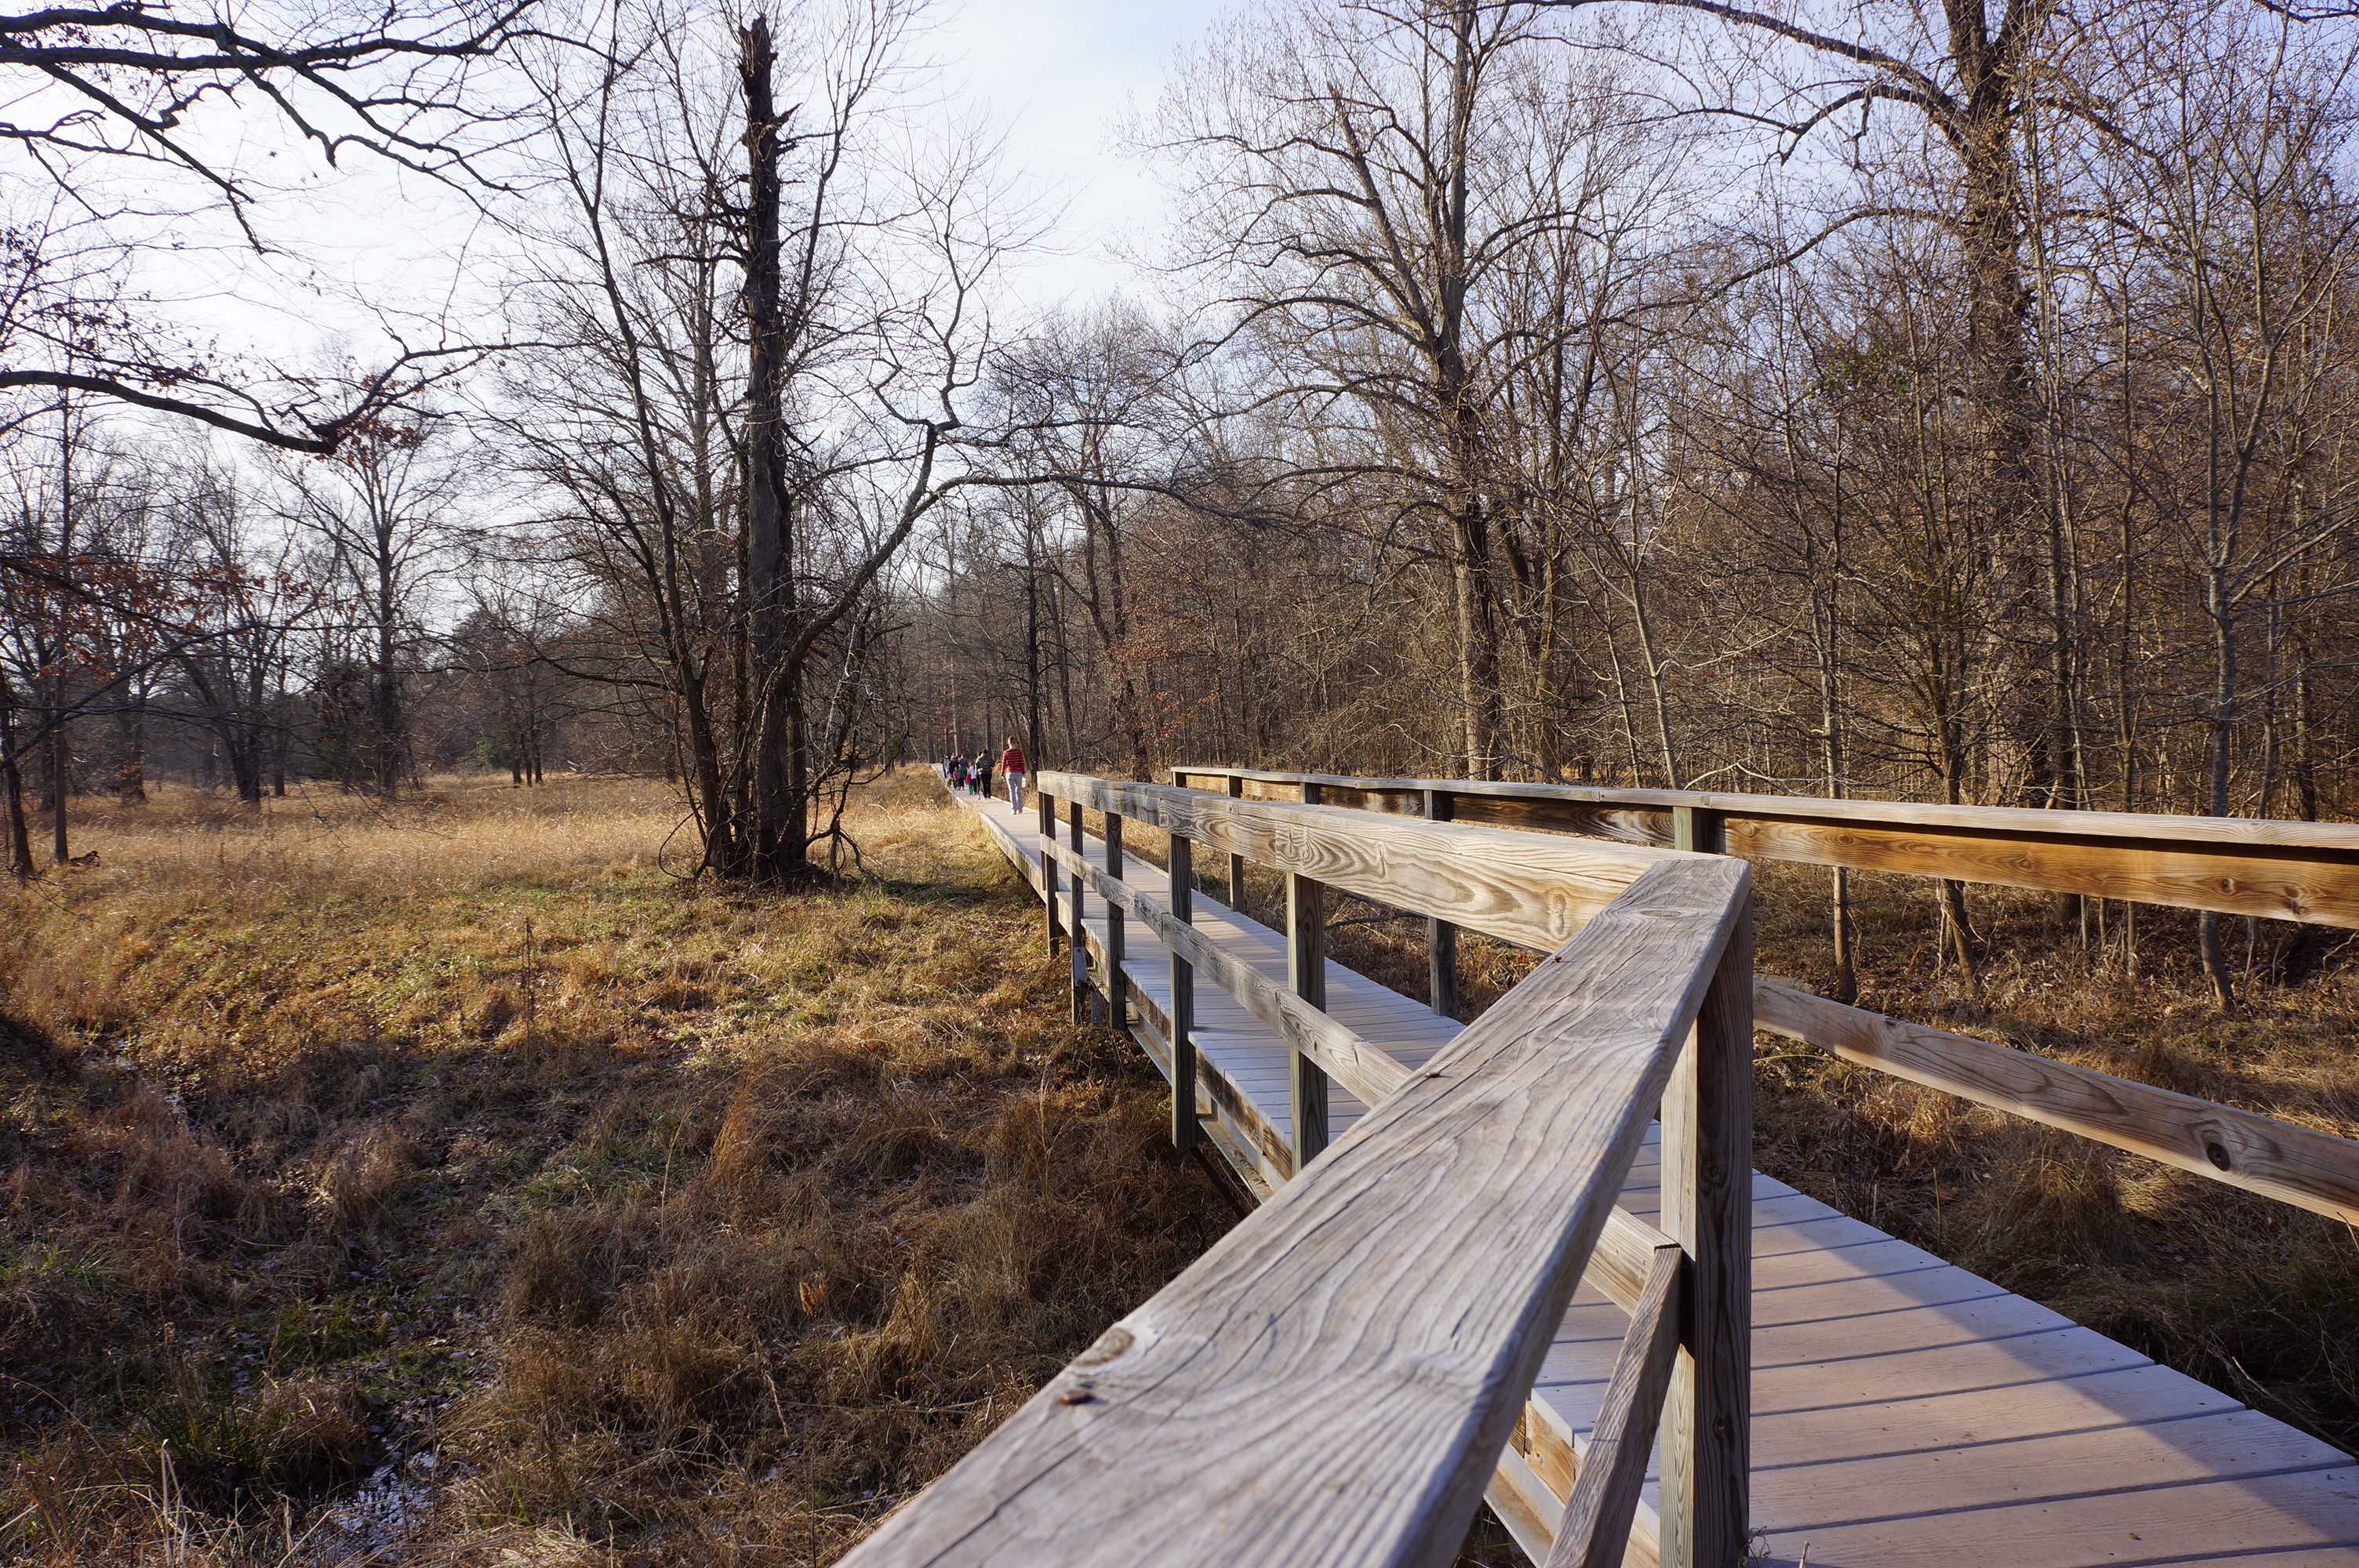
1947	403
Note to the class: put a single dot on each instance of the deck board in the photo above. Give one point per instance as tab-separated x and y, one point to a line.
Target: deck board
1906	1412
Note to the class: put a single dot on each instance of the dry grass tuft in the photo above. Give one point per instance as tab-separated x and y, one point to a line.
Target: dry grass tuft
2060	1210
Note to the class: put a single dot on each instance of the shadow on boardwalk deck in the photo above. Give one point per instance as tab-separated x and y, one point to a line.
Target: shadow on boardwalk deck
1906	1412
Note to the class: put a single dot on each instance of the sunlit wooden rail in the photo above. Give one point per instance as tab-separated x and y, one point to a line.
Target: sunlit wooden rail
1336	1381
2283	871
1332	1382
2288	871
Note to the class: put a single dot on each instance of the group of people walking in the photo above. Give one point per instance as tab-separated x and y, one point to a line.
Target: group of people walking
972	775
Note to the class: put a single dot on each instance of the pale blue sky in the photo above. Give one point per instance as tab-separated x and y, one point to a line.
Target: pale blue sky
1062	73
1057	74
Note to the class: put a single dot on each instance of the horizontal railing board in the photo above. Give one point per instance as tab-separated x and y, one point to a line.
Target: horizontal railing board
1512	886
1333	1380
2340	837
2295	1164
2281	871
1624	1252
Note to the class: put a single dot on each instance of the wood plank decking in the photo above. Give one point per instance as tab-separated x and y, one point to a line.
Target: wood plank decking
1906	1412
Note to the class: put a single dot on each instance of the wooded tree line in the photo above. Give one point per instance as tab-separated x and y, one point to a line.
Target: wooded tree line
1944	404
742	311
1947	403
237	628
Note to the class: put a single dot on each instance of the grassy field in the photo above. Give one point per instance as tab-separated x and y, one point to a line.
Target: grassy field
449	1184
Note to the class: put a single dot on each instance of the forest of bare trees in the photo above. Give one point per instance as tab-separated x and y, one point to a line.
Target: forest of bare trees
1948	403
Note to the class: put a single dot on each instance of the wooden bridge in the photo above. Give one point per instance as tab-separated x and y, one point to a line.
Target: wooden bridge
1531	1262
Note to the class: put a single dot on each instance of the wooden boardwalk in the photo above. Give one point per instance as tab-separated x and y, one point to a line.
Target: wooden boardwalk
1906	1411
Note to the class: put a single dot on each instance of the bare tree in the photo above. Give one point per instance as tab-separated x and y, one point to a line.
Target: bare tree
738	465
103	103
380	510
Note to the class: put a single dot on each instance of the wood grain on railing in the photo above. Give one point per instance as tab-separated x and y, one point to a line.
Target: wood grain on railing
2294	1164
1619	1268
1524	889
2284	871
1333	1380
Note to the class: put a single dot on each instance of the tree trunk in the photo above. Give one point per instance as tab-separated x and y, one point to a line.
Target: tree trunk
58	786
131	749
12	783
780	771
385	699
2223	735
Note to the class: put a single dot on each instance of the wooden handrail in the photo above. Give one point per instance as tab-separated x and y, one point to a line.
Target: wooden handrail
2282	870
2317	873
1334	1382
2282	1159
1533	891
1625	1252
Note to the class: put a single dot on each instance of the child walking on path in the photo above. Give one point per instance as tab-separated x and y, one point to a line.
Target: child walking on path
1011	767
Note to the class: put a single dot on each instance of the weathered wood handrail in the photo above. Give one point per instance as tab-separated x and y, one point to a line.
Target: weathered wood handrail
2282	1159
1624	1254
1334	1380
2284	871
1517	886
2313	867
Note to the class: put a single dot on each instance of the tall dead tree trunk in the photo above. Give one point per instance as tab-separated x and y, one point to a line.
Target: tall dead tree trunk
781	816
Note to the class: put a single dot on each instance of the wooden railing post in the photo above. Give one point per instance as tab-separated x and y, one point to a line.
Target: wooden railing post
1699	829
1707	1147
1237	862
1184	1129
1306	967
1047	806
1441	936
1117	950
1076	931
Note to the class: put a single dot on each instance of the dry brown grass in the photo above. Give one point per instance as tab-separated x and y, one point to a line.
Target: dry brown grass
593	1215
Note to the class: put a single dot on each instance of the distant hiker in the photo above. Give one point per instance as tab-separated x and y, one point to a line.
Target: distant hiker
957	773
979	777
1011	767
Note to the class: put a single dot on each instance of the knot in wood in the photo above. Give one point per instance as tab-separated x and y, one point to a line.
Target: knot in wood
1108	1345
